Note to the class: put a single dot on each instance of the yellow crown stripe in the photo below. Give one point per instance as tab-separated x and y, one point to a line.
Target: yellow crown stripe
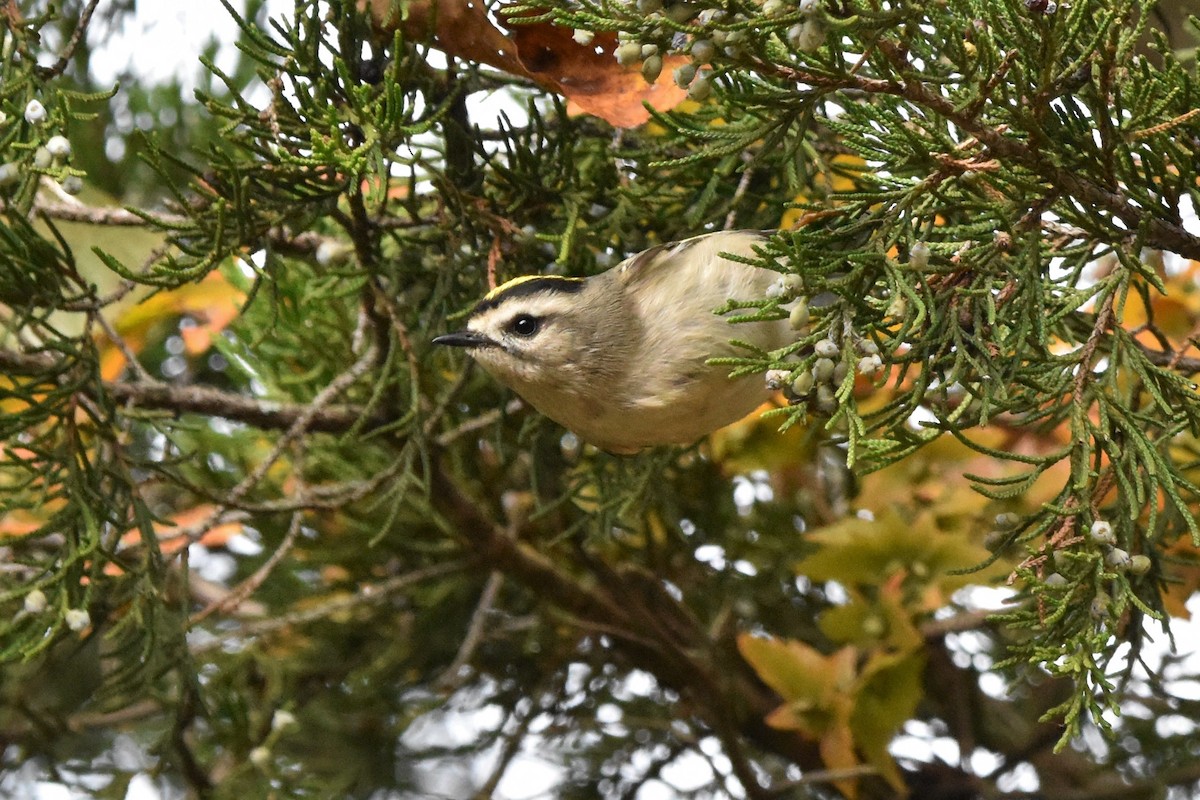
515	282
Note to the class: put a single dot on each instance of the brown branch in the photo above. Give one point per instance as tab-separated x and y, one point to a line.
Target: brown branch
59	66
263	414
83	721
338	603
28	364
824	776
266	414
965	621
114	336
104	215
1088	351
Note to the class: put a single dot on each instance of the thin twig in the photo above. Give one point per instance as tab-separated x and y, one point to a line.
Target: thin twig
824	776
1088	351
512	746
298	428
964	621
477	423
58	67
243	590
322	496
265	414
739	192
86	721
130	357
451	679
367	595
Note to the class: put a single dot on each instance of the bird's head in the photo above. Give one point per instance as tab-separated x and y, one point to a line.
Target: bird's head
535	333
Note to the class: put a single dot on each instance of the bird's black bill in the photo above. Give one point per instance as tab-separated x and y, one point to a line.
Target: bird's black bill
464	339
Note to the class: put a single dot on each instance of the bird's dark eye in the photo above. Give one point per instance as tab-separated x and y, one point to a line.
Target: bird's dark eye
525	325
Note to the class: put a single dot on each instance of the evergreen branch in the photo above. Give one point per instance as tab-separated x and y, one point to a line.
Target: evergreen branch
1159	233
265	414
335	418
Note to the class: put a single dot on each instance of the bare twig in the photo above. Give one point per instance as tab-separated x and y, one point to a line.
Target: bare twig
824	776
71	210
266	414
90	720
1088	351
247	587
367	595
477	423
57	68
739	192
964	621
512	746
320	496
451	678
130	357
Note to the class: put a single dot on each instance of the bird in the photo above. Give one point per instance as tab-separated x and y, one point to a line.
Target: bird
620	358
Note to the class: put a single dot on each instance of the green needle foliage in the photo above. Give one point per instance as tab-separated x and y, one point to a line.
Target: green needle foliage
304	555
1005	148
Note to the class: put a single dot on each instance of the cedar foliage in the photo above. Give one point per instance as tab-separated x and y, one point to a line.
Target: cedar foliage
255	525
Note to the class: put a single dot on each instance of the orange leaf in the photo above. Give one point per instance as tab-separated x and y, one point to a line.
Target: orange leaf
169	531
587	75
19	523
459	28
837	751
212	304
590	77
1184	572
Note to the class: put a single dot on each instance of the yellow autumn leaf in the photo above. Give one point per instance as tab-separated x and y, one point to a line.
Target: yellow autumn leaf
793	669
887	695
856	551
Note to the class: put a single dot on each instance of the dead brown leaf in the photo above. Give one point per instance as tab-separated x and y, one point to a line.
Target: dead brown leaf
587	75
590	77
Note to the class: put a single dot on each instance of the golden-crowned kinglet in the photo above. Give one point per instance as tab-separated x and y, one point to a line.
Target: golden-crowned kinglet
619	358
